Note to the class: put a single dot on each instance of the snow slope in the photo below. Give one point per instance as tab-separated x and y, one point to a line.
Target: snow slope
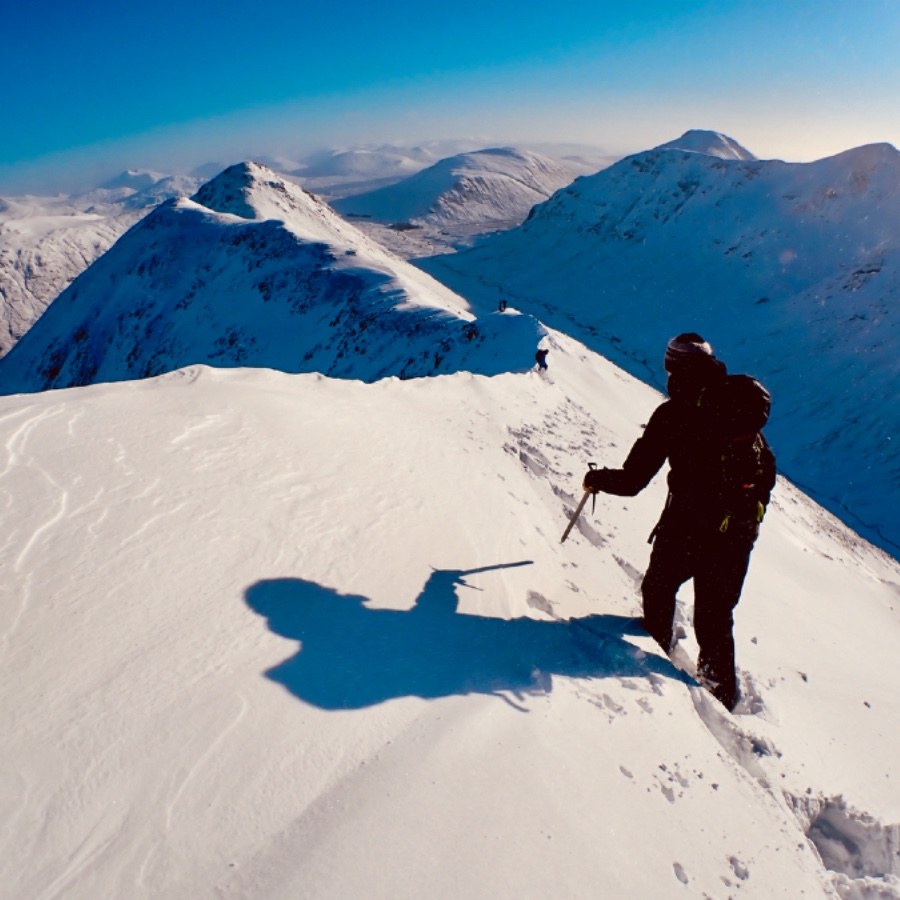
270	635
255	271
791	270
46	242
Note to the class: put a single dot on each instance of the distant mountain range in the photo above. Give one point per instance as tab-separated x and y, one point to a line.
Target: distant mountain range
791	270
255	271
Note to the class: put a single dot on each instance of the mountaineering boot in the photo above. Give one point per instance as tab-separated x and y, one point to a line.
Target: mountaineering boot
723	688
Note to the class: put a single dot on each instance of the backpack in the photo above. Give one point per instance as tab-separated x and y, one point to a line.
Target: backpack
742	465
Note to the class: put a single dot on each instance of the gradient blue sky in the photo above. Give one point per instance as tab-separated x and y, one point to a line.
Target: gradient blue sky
93	87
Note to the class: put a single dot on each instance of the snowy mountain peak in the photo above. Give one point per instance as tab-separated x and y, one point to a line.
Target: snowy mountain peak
250	190
246	190
709	143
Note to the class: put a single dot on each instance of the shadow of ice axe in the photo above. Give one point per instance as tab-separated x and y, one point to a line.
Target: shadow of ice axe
579	508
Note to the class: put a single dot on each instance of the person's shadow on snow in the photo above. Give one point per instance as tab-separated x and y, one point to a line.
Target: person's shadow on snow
352	655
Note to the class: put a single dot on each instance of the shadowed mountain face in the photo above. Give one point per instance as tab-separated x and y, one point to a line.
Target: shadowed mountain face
792	271
253	271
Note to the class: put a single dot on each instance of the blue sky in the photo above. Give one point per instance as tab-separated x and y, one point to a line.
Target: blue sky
93	87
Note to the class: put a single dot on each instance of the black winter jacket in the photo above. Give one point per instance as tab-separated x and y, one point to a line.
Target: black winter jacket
678	433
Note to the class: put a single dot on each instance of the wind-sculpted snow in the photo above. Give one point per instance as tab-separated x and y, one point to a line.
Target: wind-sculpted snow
792	271
256	272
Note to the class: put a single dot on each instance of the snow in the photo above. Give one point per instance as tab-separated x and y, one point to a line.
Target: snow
280	635
134	179
454	201
44	244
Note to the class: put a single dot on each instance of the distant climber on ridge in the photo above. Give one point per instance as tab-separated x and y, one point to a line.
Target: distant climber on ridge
721	474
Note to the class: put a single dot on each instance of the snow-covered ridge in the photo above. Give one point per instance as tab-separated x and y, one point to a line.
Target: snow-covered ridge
255	271
791	270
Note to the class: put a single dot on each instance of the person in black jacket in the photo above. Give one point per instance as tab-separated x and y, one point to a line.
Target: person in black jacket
704	532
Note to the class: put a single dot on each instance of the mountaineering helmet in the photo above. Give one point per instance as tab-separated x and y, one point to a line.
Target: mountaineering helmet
687	351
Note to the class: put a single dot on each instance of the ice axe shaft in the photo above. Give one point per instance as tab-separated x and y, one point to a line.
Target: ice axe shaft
575	516
578	510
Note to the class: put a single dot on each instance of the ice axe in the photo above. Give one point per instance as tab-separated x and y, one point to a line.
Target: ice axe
578	509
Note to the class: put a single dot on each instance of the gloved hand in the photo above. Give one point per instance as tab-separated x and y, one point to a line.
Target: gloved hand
592	480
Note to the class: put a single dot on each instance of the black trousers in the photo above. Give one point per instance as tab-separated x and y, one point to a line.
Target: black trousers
718	564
